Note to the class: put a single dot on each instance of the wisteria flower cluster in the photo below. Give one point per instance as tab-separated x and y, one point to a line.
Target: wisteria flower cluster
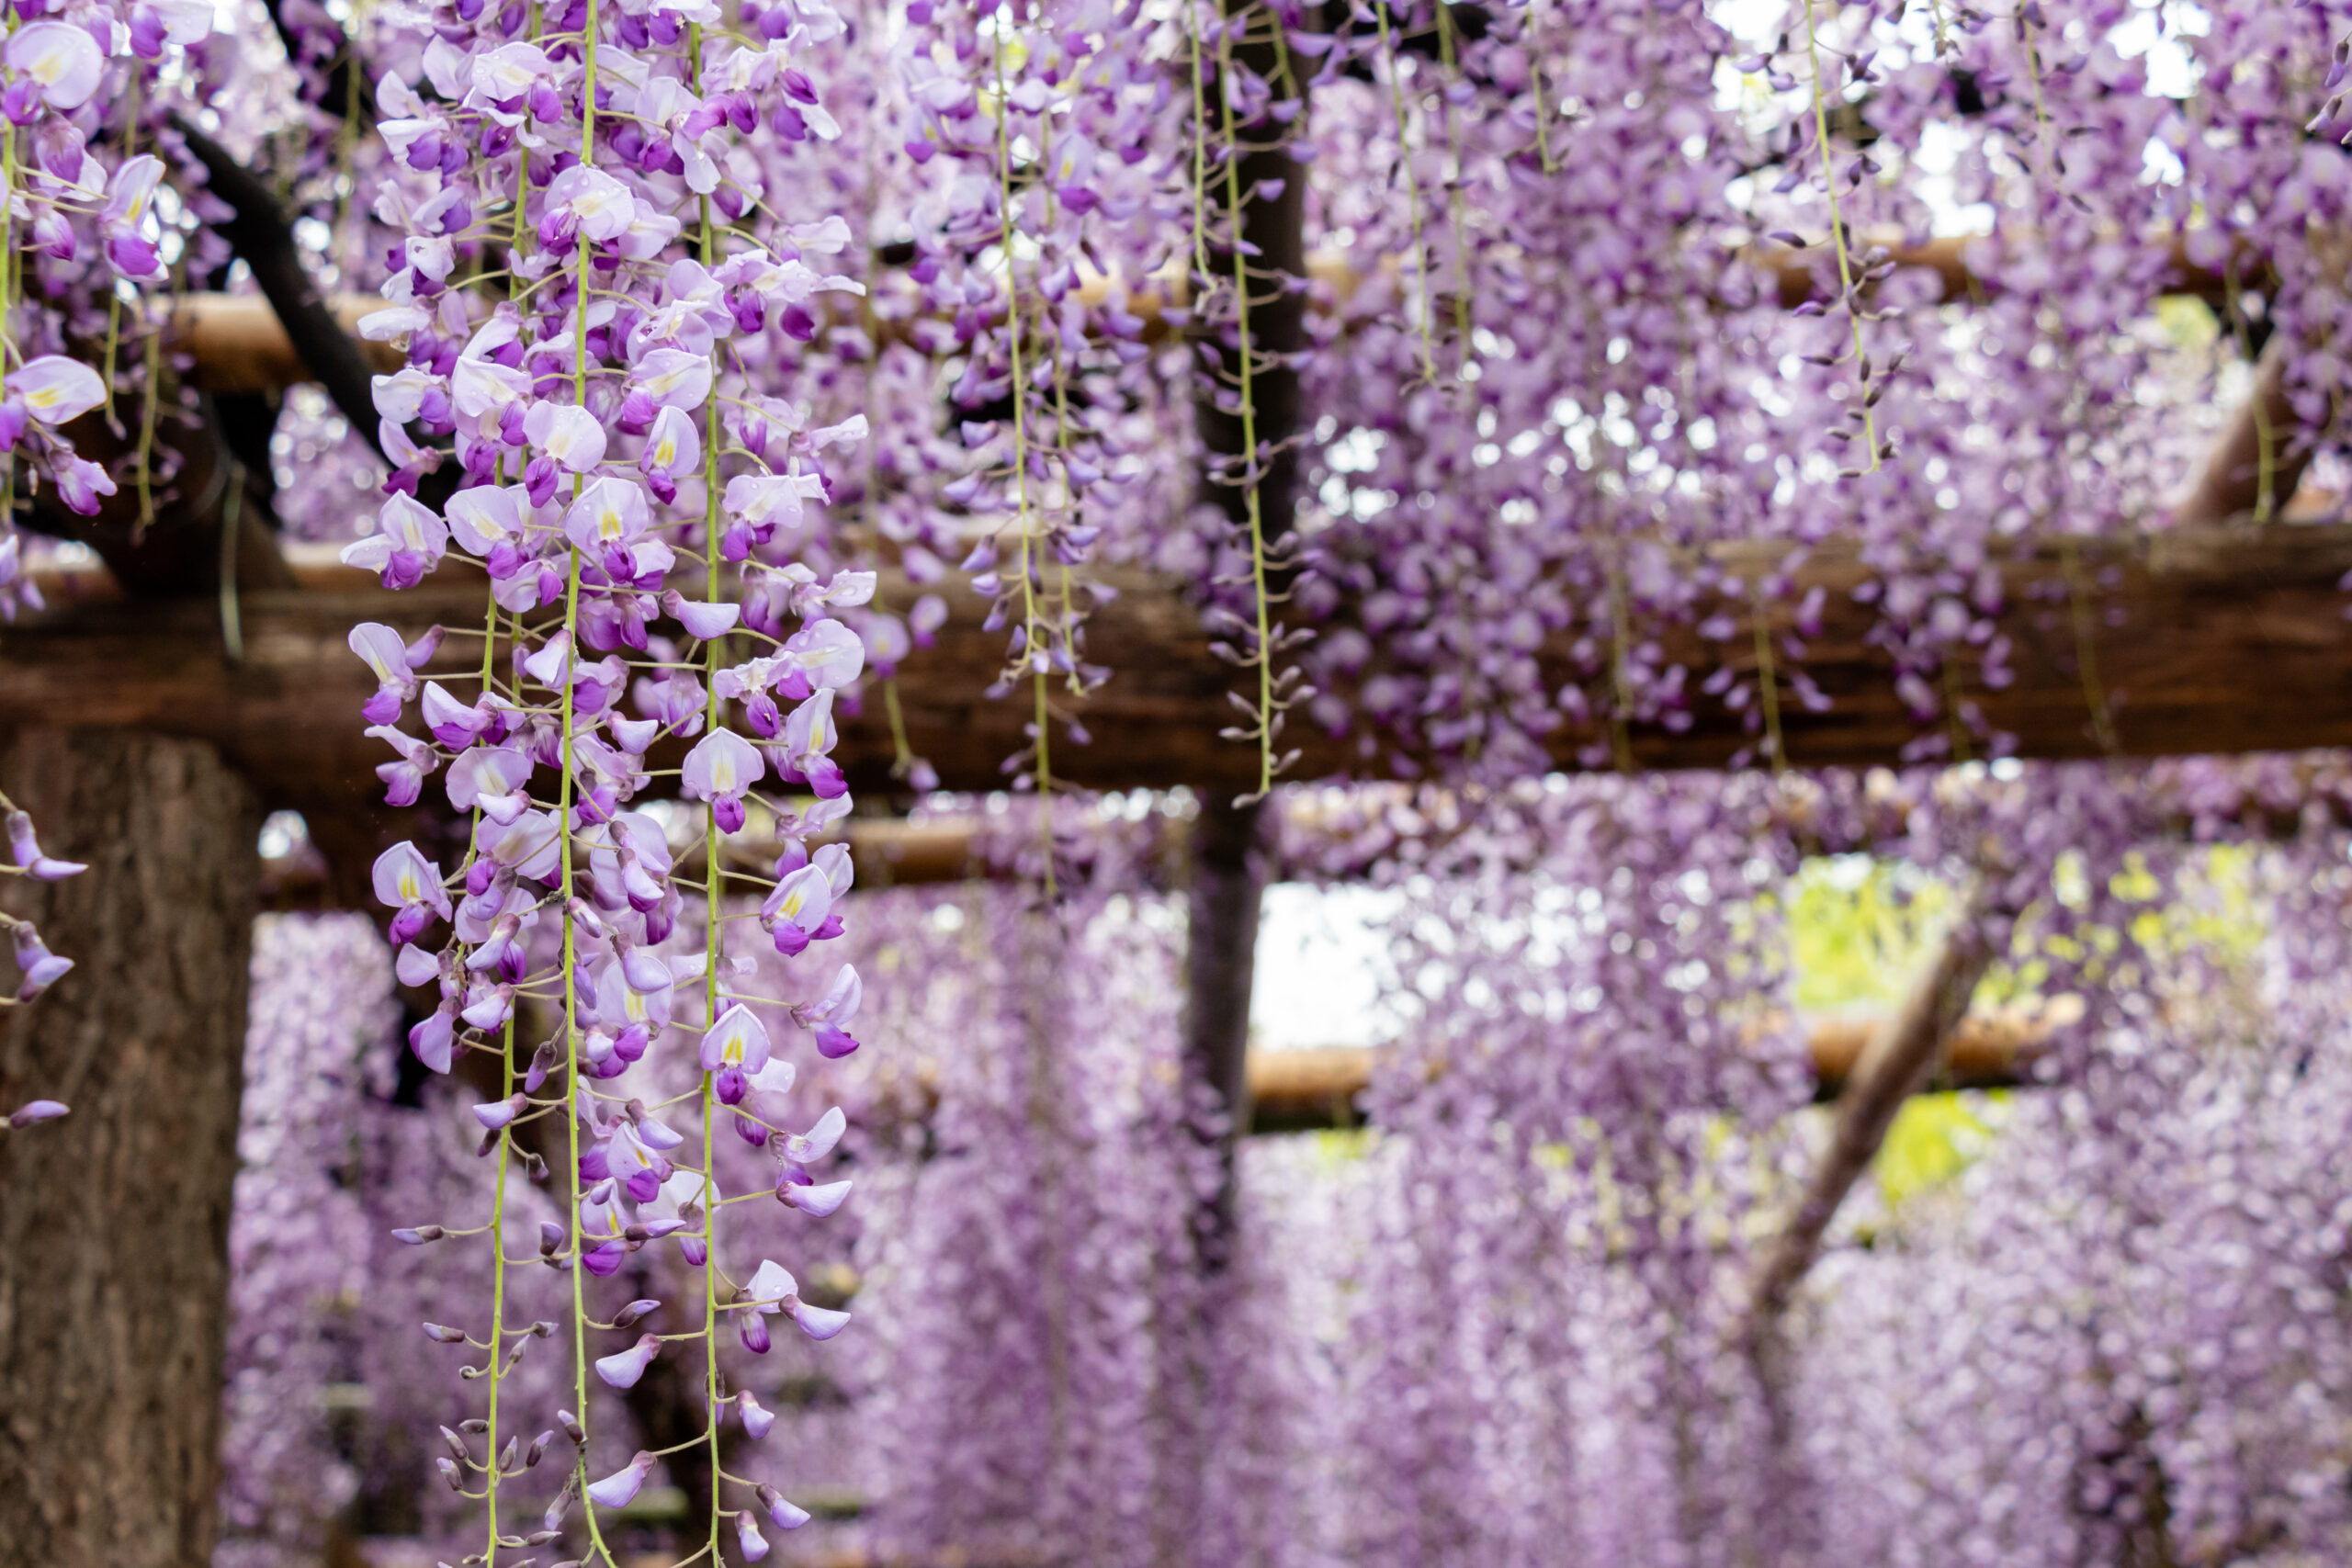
710	315
586	271
107	218
1523	1289
1595	293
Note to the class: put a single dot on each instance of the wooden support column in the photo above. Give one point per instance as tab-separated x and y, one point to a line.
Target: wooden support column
1228	881
1228	873
114	1230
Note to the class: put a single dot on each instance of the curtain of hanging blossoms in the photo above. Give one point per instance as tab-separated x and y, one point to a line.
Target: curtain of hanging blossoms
709	312
1511	1317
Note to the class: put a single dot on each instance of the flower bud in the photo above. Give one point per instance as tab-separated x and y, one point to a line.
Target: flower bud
442	1334
542	1064
418	1236
539	1448
570	1425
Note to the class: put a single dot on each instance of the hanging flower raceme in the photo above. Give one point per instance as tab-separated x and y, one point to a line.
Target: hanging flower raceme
704	311
1050	130
583	402
86	99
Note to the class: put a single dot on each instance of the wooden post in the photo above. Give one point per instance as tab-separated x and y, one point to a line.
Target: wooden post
114	1230
1228	879
1228	875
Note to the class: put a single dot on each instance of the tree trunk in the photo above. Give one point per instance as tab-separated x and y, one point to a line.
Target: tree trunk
114	1231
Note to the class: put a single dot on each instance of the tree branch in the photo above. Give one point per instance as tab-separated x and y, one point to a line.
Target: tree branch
261	234
1900	1058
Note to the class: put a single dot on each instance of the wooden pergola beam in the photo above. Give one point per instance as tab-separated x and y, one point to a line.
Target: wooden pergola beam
1812	274
239	345
1316	1088
2204	641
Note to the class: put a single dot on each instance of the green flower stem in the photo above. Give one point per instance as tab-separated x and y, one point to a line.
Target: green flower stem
1412	196
1837	227
1263	655
1029	641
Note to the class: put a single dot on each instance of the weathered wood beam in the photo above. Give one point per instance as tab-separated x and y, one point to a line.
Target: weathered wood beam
240	345
1305	1090
1812	274
887	852
1293	1091
1317	1089
2207	641
1985	1050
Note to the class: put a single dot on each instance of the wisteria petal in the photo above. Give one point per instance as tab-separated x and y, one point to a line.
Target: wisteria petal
620	1488
624	1369
61	58
737	1040
56	390
819	1323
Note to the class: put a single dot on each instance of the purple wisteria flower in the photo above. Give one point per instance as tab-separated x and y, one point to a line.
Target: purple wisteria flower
25	849
772	1290
720	769
408	543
